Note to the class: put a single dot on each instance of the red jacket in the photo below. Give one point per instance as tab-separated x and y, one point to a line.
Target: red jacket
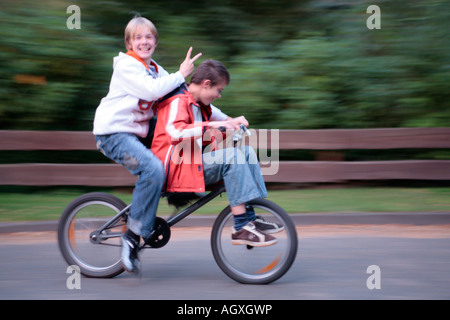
180	134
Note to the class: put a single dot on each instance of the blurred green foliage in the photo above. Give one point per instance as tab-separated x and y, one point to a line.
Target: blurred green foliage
294	64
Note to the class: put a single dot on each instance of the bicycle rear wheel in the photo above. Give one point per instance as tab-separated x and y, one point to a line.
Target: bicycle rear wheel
255	265
80	242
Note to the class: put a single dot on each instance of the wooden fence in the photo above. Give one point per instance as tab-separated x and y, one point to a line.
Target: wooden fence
45	174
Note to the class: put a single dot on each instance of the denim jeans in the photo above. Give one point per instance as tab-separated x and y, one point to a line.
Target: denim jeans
126	149
240	171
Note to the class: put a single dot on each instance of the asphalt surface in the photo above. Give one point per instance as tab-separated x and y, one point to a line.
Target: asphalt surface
412	218
411	250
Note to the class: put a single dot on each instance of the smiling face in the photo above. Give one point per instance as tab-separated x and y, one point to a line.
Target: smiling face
210	92
141	36
208	81
143	43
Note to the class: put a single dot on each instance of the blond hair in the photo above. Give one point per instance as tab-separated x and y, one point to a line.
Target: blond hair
136	23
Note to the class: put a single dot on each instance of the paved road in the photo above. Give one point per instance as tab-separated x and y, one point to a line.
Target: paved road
412	252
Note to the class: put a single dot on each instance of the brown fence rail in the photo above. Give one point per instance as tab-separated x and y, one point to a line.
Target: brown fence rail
42	174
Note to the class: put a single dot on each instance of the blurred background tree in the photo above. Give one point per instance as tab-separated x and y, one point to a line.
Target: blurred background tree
294	64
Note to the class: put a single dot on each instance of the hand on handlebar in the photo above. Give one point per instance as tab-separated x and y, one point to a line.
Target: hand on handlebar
231	123
240	121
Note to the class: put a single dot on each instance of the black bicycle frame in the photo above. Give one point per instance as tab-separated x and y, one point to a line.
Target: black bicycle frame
98	235
195	206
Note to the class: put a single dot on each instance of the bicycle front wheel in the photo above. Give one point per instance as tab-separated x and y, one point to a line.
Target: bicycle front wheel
89	234
255	265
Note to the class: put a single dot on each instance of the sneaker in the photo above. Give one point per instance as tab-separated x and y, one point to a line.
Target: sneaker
266	226
251	236
129	257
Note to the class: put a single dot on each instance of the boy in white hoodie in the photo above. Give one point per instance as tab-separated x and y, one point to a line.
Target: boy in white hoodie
122	118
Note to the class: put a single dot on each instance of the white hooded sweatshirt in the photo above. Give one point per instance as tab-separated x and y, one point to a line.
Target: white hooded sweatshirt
133	89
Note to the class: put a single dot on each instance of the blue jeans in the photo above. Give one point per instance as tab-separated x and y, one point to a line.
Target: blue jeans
126	149
240	171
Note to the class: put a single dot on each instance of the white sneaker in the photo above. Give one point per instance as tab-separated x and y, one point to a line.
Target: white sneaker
129	256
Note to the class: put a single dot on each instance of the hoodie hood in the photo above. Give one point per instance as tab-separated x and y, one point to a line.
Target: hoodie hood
132	54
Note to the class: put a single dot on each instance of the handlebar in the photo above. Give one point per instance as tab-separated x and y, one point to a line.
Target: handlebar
245	130
238	134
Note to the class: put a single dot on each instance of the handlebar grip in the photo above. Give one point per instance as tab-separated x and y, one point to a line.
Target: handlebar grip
245	130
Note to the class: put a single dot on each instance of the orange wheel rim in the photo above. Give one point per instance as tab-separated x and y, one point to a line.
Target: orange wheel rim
270	266
72	235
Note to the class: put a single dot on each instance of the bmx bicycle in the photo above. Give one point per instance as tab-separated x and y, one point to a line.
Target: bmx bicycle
91	226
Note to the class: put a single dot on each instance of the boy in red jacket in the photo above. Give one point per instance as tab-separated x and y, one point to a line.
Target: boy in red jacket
184	142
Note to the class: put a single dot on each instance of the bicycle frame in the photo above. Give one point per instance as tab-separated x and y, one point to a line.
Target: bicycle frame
196	205
99	235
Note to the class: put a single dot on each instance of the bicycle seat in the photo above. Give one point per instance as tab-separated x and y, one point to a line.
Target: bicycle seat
181	199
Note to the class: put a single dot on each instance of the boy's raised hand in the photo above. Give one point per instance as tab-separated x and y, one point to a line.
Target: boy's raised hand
187	66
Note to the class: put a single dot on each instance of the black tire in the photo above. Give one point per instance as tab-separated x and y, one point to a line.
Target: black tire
280	262
73	220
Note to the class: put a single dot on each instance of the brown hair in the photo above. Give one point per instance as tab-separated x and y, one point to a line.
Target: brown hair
134	24
211	70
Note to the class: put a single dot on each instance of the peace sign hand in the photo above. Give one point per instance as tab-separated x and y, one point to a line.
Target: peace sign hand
187	67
